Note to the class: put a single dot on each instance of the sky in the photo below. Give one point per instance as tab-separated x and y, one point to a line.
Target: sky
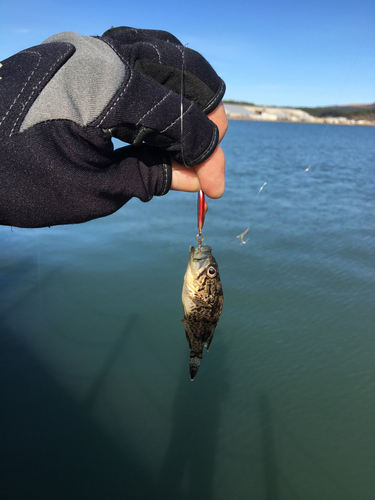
270	52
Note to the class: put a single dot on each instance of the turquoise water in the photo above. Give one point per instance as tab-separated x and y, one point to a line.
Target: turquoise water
96	400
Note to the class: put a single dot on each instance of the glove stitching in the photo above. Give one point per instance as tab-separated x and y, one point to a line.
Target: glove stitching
176	120
35	88
164	180
152	109
181	49
165	175
23	88
221	92
118	98
167	178
214	140
155	47
114	48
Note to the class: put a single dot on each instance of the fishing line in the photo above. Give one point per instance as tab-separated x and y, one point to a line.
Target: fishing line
259	191
242	235
201	196
182	105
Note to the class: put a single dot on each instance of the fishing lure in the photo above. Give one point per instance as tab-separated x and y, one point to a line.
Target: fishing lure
201	214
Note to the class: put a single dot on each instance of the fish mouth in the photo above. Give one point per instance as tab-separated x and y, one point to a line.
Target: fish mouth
200	253
200	258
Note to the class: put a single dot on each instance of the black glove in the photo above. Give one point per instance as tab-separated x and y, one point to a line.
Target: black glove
63	100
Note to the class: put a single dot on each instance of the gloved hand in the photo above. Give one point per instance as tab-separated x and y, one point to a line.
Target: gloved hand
63	100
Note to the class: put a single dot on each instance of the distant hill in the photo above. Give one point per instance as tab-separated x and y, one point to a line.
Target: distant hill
239	103
350	111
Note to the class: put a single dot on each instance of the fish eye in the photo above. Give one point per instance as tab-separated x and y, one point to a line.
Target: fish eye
211	272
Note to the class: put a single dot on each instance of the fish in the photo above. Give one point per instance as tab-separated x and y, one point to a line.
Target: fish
202	300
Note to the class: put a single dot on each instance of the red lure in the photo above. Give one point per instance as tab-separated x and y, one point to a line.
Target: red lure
200	211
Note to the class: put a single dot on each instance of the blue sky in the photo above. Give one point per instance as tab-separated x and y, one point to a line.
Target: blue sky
284	52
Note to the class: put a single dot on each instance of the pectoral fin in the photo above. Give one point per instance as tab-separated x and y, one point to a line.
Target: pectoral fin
209	340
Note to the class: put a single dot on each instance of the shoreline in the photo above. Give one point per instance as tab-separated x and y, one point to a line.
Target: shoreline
286	115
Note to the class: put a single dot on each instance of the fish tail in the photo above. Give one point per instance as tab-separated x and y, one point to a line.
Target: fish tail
194	363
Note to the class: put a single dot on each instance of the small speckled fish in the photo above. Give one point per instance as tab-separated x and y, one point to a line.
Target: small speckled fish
202	298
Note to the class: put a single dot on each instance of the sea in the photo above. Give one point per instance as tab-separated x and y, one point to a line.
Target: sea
95	396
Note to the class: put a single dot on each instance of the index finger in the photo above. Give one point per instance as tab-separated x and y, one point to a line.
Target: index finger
219	117
208	176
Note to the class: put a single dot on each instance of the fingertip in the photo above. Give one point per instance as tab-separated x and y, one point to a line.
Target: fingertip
219	117
211	174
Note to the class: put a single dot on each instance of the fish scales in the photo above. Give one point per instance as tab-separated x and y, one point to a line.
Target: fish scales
202	299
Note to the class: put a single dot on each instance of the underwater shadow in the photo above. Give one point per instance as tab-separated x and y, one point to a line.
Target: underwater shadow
271	486
189	463
50	446
113	356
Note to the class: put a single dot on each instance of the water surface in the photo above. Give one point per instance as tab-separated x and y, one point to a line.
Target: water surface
95	391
